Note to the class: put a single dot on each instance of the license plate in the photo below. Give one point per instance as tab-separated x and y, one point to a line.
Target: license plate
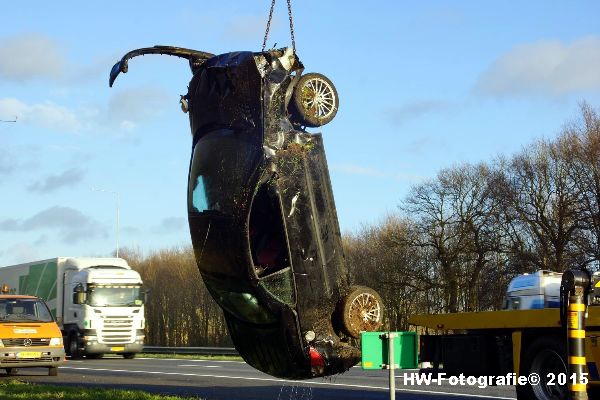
29	354
117	349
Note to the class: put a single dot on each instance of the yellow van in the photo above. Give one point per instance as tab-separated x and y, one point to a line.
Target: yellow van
29	335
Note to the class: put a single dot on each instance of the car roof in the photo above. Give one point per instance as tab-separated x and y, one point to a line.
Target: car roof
16	296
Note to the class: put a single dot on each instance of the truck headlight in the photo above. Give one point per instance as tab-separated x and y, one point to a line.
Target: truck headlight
56	341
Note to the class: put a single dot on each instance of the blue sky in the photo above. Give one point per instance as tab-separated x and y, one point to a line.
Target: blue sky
422	85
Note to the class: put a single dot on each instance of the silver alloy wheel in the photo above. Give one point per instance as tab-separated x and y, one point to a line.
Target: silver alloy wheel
364	312
318	98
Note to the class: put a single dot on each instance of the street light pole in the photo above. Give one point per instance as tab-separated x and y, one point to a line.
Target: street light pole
117	196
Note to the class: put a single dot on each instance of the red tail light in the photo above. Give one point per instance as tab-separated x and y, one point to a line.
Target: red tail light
317	362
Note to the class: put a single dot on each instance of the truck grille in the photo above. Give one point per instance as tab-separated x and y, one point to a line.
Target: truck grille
25	342
117	330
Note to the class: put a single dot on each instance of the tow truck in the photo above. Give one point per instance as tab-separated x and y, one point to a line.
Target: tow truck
534	334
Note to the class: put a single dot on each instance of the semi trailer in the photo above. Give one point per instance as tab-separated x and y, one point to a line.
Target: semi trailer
98	303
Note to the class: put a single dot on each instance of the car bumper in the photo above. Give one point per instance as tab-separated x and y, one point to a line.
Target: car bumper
100	348
19	357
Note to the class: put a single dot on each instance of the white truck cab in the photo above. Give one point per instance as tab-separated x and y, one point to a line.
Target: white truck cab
98	302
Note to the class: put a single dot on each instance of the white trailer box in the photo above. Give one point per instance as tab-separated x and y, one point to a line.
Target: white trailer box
98	302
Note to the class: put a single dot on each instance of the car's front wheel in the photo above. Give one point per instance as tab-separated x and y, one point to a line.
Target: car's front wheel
314	101
361	310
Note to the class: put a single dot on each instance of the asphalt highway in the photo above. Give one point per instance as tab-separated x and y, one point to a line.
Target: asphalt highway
226	380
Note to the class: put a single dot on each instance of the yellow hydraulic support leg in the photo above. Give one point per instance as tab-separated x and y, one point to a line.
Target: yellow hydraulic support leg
574	290
576	338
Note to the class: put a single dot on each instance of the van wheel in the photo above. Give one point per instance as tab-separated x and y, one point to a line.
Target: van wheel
546	355
53	371
129	356
11	371
362	310
73	346
314	100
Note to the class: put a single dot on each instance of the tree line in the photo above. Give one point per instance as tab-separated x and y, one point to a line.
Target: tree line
454	243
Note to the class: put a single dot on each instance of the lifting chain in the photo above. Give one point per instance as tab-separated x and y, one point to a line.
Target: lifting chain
289	6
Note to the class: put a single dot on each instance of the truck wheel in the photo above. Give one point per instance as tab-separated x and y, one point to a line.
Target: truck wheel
53	371
73	345
11	371
129	356
314	100
545	355
362	310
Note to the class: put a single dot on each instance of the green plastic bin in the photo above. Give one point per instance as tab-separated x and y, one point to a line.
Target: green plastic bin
374	347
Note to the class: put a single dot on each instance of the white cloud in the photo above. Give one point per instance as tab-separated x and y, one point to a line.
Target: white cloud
72	226
172	224
69	177
30	56
352	169
21	252
128	107
415	109
242	27
547	67
47	115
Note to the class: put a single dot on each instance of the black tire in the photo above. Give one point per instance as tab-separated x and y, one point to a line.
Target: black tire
11	371
361	310
73	346
314	101
94	356
53	371
129	356
547	354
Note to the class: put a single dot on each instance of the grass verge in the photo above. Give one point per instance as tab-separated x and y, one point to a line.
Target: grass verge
190	357
16	390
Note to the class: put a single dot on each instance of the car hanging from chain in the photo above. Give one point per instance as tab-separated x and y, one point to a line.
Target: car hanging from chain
261	212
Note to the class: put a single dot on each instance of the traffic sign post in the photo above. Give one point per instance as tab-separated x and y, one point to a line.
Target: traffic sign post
389	350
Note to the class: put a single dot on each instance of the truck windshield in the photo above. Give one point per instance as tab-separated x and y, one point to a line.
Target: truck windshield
115	296
24	310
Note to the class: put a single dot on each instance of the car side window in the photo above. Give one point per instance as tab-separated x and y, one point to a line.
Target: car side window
199	198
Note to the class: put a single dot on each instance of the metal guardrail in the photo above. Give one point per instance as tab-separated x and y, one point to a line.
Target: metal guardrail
207	351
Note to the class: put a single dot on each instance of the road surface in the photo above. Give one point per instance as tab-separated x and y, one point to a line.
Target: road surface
225	380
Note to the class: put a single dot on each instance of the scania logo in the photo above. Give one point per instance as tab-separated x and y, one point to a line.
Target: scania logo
27	342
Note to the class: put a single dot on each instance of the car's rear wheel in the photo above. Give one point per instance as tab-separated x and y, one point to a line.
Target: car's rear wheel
362	310
314	101
128	356
53	371
11	371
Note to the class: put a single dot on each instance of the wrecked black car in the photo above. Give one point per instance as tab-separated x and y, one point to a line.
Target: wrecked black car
261	212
